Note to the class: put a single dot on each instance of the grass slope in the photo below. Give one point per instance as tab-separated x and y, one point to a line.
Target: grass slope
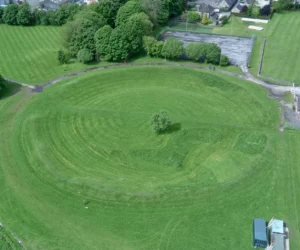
197	187
28	54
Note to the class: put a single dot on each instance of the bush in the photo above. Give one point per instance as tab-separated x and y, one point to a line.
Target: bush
84	56
172	48
152	46
205	20
2	83
212	53
224	20
160	122
63	57
194	51
224	61
266	10
193	16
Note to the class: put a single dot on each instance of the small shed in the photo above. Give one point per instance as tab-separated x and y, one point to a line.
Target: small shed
260	237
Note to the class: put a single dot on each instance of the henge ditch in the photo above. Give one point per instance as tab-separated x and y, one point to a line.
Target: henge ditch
238	49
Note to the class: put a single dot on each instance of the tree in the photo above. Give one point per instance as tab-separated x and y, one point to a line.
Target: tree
281	5
244	9
193	16
205	19
84	56
102	38
157	10
176	7
266	10
79	33
10	14
160	122
2	83
126	11
137	26
224	61
172	48
63	57
195	50
119	45
1	14
212	53
108	9
24	15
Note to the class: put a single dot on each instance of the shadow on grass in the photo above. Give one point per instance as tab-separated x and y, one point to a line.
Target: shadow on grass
9	90
173	128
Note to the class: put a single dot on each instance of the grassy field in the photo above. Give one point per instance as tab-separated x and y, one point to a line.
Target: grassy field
196	187
28	54
281	59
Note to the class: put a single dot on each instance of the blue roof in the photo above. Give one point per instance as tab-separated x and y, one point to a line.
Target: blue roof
260	229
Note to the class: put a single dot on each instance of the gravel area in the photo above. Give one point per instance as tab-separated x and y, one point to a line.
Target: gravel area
238	49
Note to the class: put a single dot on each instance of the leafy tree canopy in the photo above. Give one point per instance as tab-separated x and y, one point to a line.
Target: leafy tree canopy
127	10
24	16
160	122
10	14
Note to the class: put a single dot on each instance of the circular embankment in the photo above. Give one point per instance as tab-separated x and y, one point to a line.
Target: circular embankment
94	131
89	137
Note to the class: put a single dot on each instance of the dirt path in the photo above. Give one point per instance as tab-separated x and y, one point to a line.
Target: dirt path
277	90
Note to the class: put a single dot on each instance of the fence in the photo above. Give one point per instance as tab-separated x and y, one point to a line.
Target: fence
262	56
186	26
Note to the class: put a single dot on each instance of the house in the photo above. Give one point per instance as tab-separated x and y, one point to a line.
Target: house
260	237
4	3
238	8
216	4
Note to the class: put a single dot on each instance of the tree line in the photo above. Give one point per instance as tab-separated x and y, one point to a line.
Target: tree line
173	49
114	30
158	11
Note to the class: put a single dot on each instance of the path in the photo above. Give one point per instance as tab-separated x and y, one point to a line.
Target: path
277	90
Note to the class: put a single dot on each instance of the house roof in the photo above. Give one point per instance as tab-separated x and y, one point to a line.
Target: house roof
260	229
207	8
277	226
277	241
239	6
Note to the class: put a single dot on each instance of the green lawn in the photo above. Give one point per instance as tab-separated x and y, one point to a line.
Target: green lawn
28	54
198	186
281	59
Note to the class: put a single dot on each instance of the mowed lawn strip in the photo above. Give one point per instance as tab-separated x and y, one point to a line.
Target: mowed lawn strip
281	59
29	54
89	137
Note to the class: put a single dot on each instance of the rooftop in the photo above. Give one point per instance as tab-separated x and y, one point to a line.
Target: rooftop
260	229
277	241
277	226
